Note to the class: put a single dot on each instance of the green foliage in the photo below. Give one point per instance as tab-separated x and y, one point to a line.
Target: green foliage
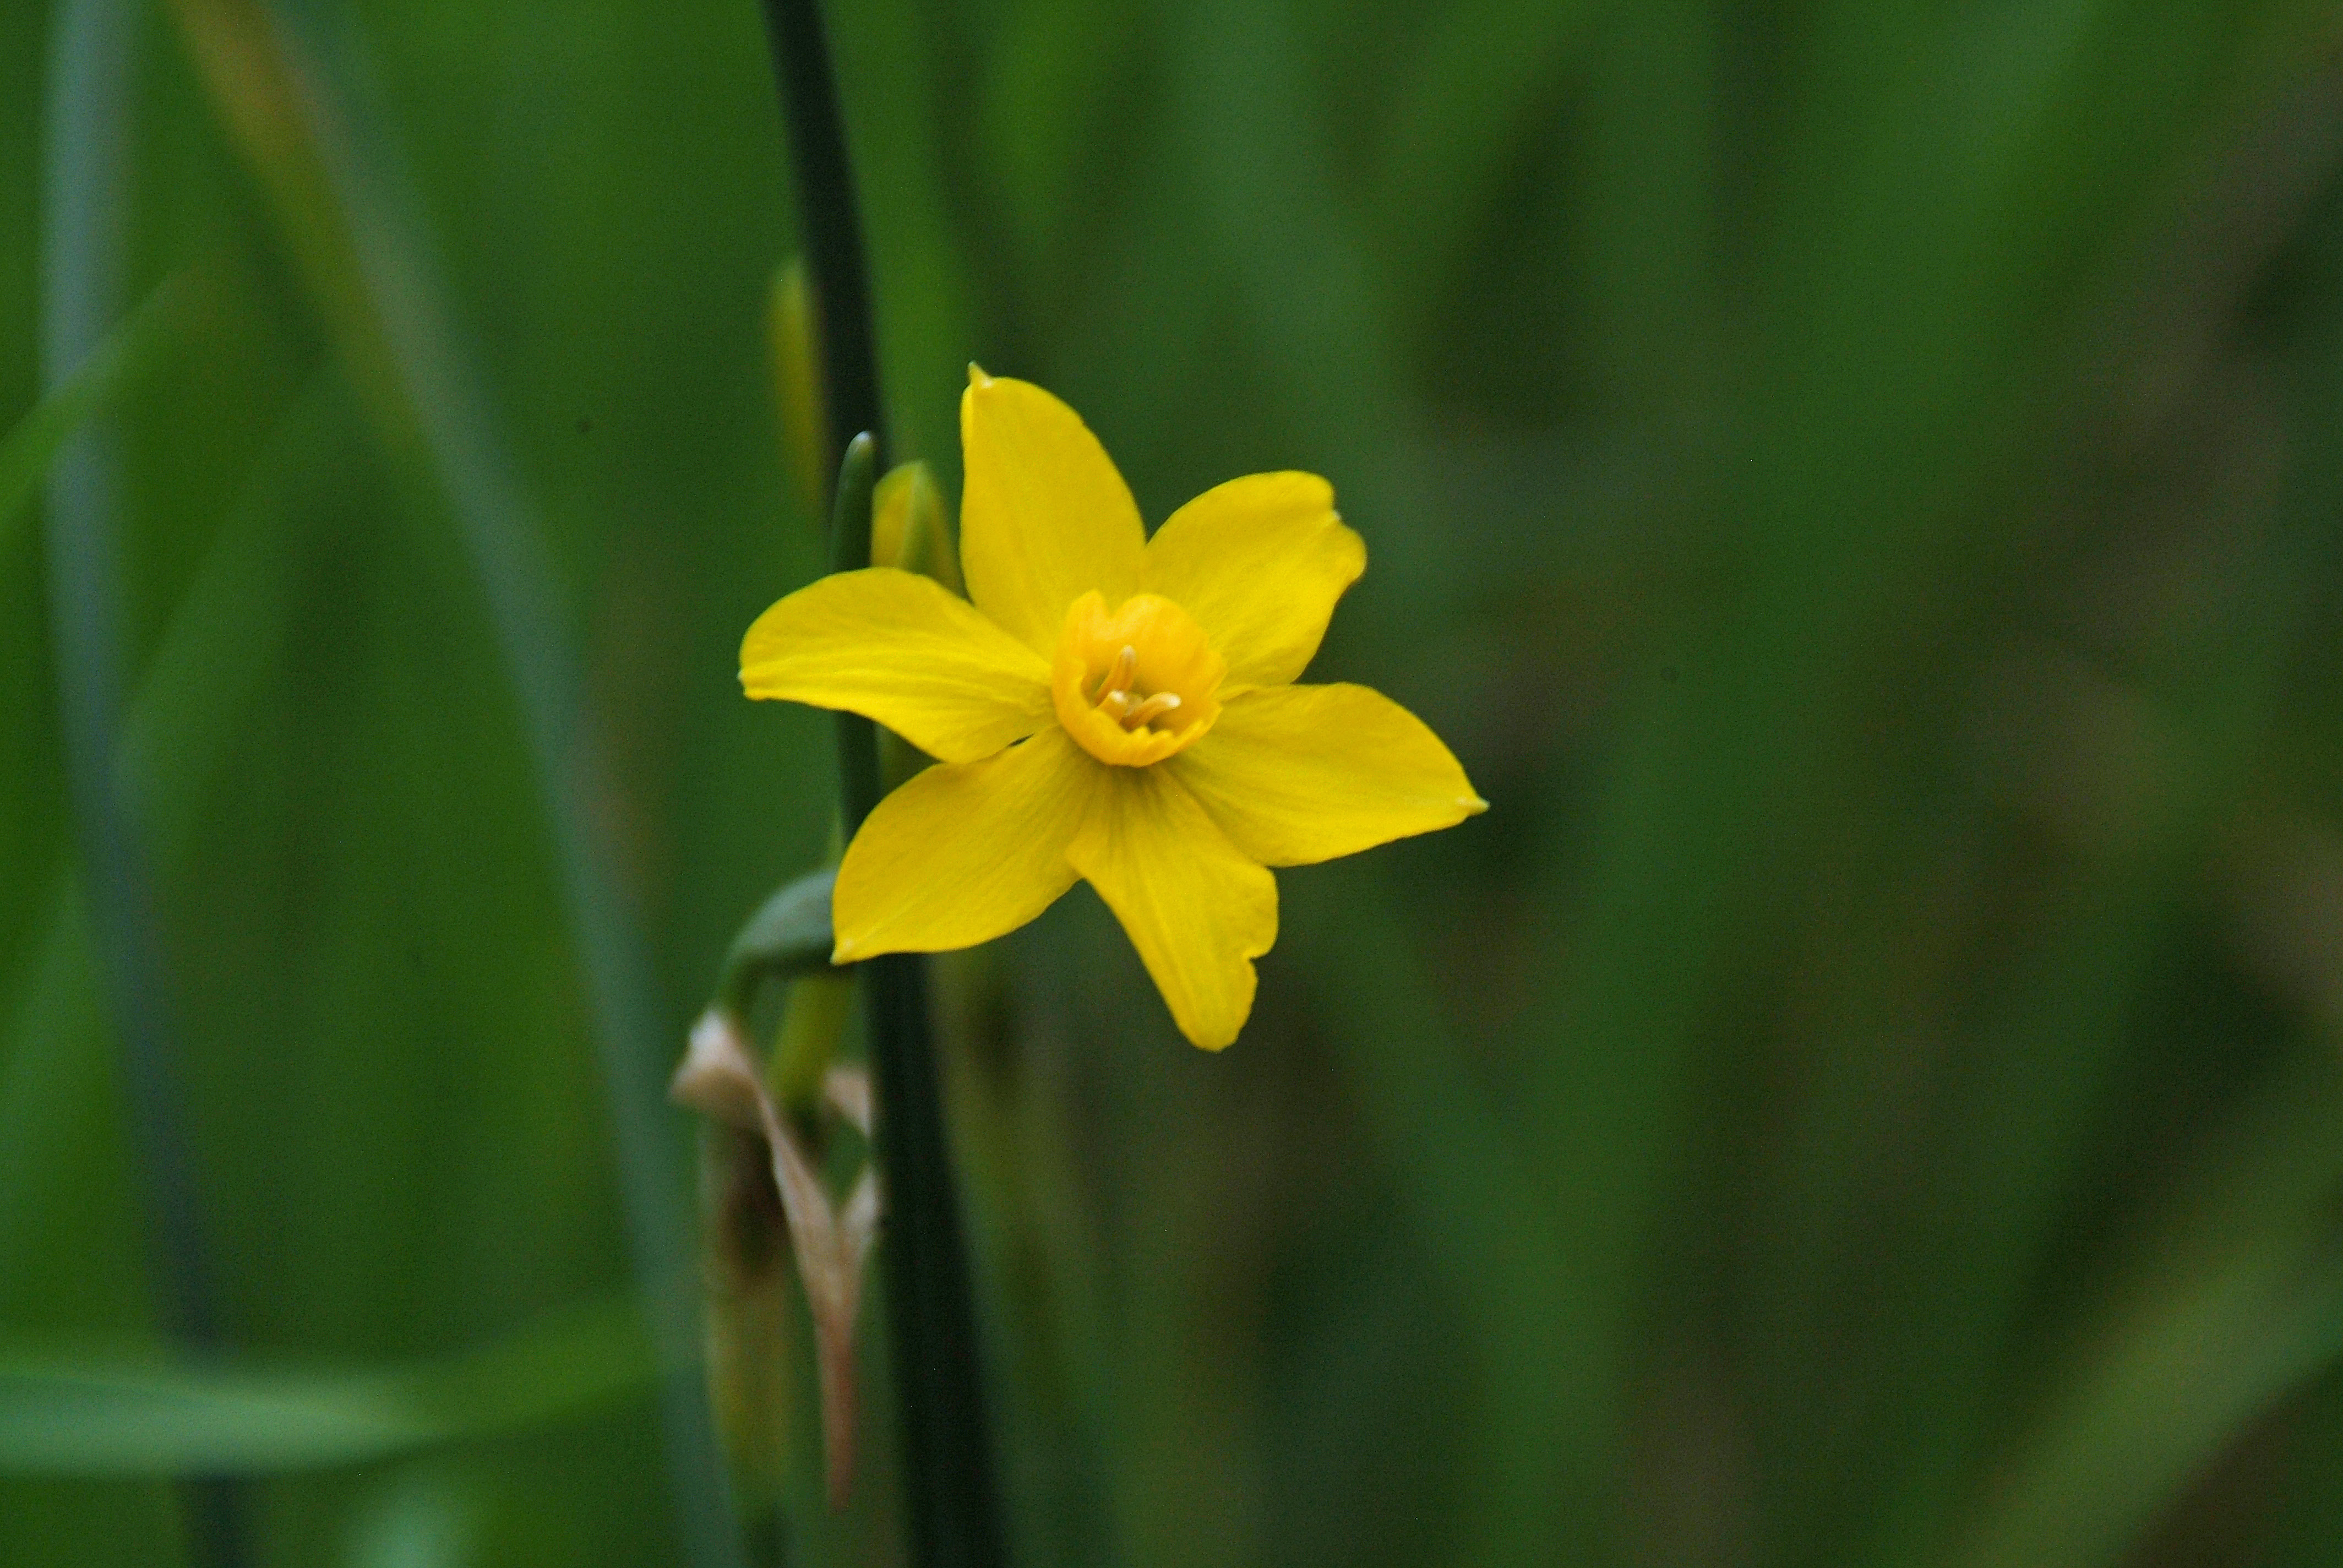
91	1415
788	937
30	449
1858	486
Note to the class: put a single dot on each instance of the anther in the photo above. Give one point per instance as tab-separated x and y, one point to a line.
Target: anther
1145	713
1118	679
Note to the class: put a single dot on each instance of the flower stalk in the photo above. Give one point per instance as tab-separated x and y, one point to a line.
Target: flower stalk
947	1461
845	342
947	1446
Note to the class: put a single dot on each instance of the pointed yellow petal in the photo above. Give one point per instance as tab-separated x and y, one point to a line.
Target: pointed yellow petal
1298	774
1259	562
965	853
1196	909
897	648
1044	518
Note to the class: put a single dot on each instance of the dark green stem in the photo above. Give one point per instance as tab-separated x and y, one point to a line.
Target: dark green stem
833	222
940	1385
931	1319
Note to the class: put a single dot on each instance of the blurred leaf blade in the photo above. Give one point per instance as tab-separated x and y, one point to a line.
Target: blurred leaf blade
359	240
2231	1301
97	1414
130	352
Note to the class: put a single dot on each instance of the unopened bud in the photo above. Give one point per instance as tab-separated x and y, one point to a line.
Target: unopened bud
794	329
908	526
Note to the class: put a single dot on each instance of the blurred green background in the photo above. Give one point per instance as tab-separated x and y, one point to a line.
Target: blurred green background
1860	485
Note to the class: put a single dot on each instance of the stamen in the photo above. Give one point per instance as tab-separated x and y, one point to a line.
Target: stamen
1114	698
1147	712
1118	679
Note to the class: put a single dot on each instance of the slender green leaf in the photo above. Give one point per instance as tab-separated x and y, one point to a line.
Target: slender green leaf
320	147
2233	1300
789	936
93	1413
130	351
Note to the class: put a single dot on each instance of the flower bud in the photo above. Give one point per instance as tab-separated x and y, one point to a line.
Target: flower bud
794	330
908	526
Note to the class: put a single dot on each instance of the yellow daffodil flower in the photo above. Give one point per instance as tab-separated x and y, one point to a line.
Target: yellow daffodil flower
1109	707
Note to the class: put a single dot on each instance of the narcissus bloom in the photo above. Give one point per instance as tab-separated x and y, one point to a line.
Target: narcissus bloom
1110	707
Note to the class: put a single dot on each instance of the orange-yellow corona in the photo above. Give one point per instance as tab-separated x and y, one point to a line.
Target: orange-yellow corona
1110	707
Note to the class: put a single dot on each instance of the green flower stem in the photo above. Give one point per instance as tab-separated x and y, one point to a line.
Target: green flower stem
833	228
931	1320
940	1387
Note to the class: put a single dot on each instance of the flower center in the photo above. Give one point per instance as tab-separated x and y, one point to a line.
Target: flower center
1137	684
1126	707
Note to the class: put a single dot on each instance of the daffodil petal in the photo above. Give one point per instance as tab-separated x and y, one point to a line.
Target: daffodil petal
964	853
1044	517
897	647
1198	911
1298	774
1259	562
